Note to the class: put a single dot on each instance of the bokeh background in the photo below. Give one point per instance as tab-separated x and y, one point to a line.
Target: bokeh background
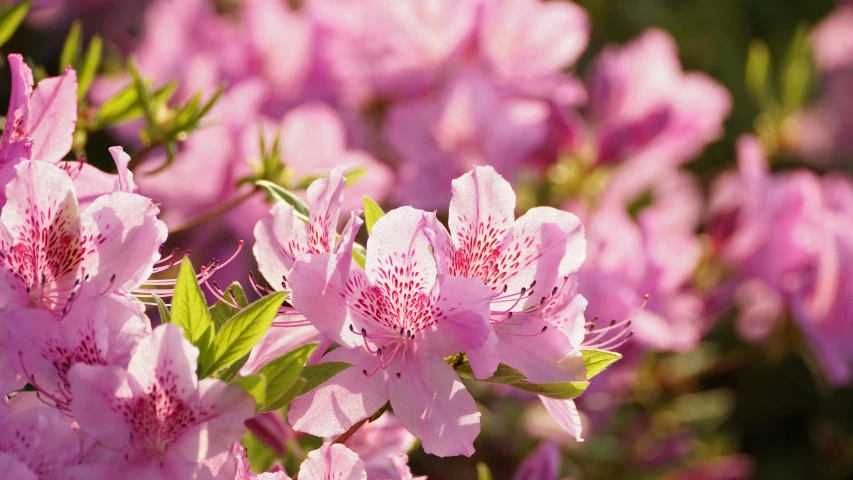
719	405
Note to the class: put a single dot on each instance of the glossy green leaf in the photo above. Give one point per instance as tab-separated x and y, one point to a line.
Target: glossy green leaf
295	390
372	213
165	316
254	385
10	19
318	373
506	375
359	254
281	374
89	66
221	311
189	309
237	336
597	360
72	46
280	193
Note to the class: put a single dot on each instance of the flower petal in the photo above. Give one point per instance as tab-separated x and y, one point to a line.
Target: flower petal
126	237
345	399
481	214
325	197
434	405
460	316
278	341
565	413
94	390
166	354
52	116
332	461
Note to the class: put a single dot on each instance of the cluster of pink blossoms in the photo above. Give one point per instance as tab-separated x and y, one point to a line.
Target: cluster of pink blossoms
110	397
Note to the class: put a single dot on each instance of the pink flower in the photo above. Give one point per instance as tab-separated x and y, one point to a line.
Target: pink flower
38	443
95	331
643	108
790	234
50	247
539	252
41	121
314	140
156	416
528	44
542	464
472	121
388	48
396	321
332	461
280	242
380	444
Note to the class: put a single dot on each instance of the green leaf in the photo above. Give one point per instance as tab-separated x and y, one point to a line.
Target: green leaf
89	67
124	106
227	374
143	92
221	312
597	360
359	254
254	385
165	316
189	309
295	390
758	74
318	373
242	332
506	375
281	374
11	18
797	72
483	472
71	48
355	175
372	213
280	193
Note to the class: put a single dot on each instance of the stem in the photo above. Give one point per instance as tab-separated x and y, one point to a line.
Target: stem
349	433
214	212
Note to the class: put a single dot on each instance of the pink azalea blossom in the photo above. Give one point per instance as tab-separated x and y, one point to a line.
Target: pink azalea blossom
95	331
156	416
527	44
824	129
541	251
280	242
789	234
542	464
645	109
332	461
50	247
38	443
472	121
387	48
396	321
381	444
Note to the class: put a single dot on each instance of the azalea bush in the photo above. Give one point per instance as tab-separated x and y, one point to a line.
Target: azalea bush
407	239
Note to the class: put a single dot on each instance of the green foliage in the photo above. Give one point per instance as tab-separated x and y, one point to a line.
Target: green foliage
254	385
797	72
11	17
237	336
189	309
221	311
506	375
483	472
125	107
597	360
359	254
165	316
372	213
315	375
280	193
72	46
282	374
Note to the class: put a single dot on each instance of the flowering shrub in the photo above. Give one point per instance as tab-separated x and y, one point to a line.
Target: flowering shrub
558	286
